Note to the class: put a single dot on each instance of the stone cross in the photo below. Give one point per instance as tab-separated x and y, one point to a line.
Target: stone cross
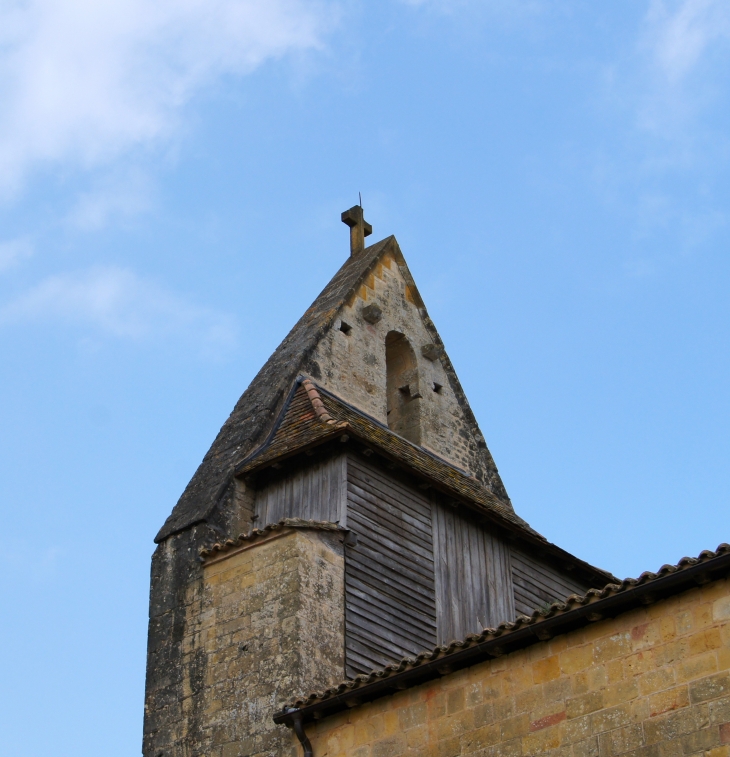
359	228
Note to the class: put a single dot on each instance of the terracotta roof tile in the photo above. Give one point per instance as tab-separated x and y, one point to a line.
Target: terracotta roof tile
313	416
219	548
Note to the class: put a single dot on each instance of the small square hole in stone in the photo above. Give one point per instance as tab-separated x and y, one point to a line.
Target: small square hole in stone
437	388
345	328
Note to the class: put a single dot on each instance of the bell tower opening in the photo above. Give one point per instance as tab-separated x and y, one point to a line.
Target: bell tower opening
402	387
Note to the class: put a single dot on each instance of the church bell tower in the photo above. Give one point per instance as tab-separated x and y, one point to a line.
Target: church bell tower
348	515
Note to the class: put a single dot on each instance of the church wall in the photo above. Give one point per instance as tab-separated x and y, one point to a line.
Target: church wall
175	584
653	682
258	622
352	364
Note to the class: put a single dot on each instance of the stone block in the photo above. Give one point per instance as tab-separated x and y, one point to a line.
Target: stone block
668	700
712	687
514	727
546	670
586	748
582	705
721	608
608	719
388	747
670	727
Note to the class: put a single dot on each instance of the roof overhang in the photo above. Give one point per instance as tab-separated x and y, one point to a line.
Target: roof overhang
563	617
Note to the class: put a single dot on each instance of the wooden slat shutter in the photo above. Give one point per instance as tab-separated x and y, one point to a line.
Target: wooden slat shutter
389	576
473	576
537	584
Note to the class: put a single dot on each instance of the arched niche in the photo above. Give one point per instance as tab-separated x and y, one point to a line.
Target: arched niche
402	387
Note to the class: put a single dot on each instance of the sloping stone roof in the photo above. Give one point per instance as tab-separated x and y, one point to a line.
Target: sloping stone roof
561	617
261	403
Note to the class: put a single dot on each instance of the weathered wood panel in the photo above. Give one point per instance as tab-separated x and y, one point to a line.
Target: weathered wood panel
473	575
538	583
390	602
316	492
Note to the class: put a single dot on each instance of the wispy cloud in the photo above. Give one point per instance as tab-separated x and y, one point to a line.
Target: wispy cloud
13	251
666	170
116	302
681	33
84	81
117	195
684	43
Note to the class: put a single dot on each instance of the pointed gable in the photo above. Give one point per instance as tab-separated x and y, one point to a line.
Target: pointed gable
385	357
259	404
341	341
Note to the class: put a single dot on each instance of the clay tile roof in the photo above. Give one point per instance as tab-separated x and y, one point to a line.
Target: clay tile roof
313	416
561	617
221	548
303	422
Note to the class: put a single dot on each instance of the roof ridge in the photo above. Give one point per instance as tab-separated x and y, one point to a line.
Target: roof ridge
336	397
319	409
334	414
275	424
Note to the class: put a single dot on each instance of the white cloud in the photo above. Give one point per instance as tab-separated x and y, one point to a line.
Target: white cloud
84	80
13	251
116	302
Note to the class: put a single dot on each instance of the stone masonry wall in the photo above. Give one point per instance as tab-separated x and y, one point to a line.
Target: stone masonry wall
175	573
353	365
650	683
259	623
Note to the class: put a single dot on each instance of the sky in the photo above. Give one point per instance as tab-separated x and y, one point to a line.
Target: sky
171	181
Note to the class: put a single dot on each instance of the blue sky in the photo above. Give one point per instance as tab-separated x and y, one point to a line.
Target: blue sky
171	179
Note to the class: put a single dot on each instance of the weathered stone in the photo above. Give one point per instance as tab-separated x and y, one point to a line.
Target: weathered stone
351	365
288	594
432	351
555	723
372	313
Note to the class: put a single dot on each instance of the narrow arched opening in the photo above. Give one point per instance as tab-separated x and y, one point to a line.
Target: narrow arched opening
402	387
